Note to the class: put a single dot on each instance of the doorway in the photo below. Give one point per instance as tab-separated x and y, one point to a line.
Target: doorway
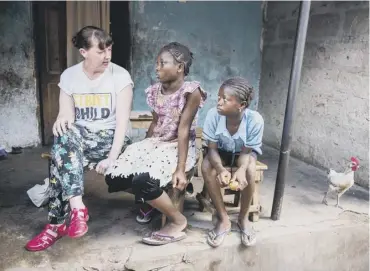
51	43
121	34
51	60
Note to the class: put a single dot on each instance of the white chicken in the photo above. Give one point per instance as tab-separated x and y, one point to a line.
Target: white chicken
342	181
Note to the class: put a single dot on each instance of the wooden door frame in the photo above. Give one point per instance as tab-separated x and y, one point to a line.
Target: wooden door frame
38	65
37	75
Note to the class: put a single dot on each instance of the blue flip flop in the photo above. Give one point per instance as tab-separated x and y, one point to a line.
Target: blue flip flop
248	238
215	239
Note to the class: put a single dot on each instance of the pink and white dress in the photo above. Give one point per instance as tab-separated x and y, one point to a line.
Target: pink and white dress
158	154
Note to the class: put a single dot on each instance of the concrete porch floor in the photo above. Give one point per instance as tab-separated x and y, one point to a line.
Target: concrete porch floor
309	235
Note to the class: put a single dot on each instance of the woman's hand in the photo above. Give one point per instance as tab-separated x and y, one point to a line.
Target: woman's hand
66	115
103	165
179	179
61	125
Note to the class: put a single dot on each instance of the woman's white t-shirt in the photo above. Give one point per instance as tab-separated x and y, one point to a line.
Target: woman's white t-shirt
95	100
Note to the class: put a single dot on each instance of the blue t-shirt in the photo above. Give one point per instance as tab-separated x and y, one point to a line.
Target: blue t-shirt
249	134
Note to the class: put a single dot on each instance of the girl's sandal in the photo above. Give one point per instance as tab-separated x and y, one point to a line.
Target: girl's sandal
157	239
248	238
145	218
215	239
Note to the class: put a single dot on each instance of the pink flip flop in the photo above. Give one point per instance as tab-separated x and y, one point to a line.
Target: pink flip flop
145	218
157	239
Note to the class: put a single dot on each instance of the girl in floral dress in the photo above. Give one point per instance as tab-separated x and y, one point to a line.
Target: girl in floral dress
169	149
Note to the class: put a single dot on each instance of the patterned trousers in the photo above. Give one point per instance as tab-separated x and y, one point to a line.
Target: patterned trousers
77	151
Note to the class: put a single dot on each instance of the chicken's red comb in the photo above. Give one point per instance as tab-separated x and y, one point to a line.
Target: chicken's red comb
355	160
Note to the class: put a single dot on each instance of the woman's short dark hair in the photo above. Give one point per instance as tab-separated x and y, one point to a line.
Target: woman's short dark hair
87	35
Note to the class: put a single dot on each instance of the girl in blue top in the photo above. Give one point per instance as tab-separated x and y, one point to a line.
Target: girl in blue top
233	135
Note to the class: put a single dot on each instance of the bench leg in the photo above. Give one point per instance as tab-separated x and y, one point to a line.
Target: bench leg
206	196
254	216
237	199
49	165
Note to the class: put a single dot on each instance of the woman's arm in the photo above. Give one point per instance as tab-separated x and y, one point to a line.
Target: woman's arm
123	109
66	115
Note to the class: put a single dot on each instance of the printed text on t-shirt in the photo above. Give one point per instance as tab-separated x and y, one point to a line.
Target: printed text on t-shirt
92	106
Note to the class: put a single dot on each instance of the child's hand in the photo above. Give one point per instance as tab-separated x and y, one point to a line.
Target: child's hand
224	178
103	165
179	180
240	177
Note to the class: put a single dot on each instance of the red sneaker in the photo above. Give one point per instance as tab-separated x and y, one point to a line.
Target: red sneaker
77	225
47	237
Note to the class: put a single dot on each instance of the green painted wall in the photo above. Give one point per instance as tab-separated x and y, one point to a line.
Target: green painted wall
224	37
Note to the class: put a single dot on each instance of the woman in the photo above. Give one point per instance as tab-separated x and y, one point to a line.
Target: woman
94	108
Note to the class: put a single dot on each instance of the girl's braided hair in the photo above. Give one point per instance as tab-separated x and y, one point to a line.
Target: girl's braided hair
180	53
241	89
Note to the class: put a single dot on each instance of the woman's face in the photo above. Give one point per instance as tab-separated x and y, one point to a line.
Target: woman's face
97	59
167	68
228	104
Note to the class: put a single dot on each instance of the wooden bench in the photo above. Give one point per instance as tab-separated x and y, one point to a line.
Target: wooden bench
142	120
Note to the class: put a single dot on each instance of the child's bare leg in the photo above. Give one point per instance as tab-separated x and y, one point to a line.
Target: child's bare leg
178	221
247	194
148	189
213	188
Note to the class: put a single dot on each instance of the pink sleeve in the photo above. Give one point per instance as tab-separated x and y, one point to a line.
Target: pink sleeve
151	95
190	88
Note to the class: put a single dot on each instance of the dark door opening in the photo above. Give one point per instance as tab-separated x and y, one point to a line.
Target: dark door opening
121	34
51	60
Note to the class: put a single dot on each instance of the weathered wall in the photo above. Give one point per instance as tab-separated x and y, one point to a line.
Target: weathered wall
18	102
332	110
225	38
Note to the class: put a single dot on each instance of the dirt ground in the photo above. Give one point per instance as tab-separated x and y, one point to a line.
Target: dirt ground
113	240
